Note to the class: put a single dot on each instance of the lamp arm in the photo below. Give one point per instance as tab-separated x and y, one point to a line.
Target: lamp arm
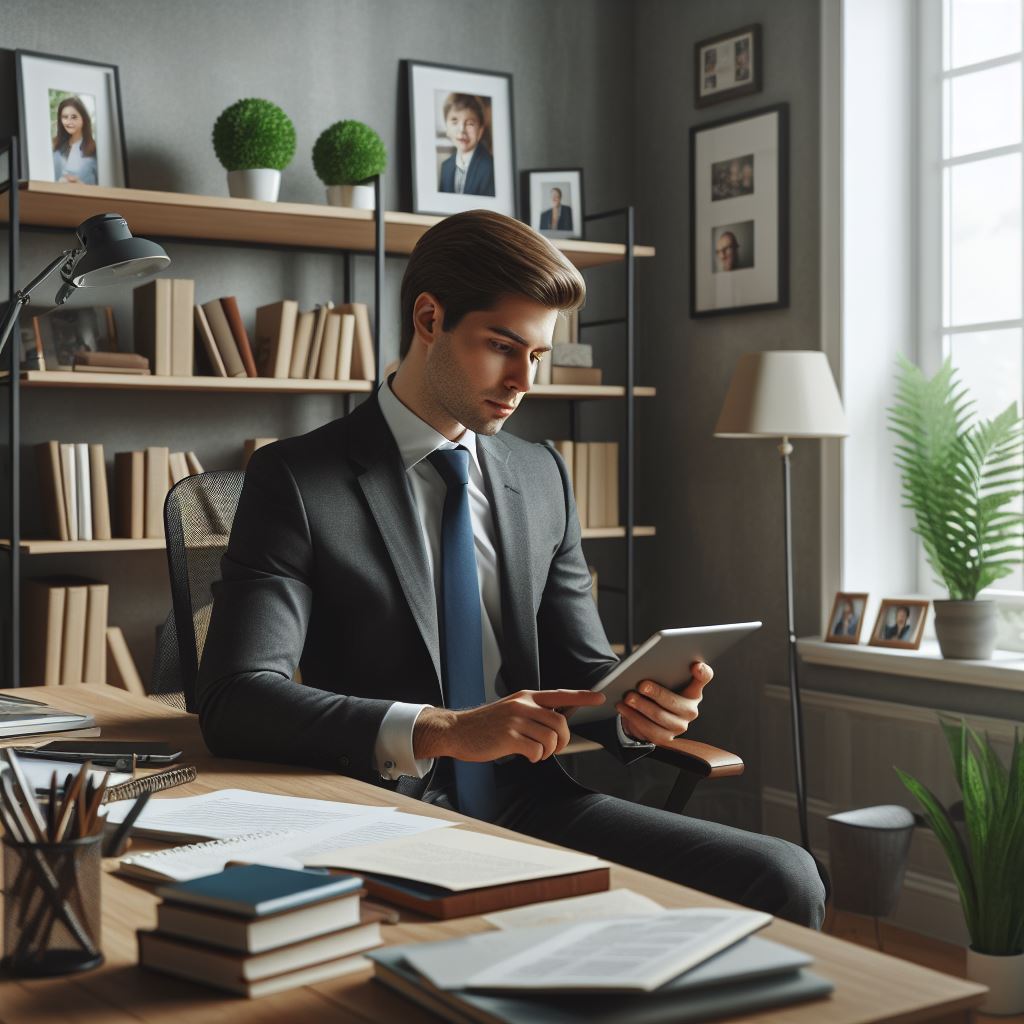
20	298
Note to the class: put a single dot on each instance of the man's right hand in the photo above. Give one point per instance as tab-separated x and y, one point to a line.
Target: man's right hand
527	722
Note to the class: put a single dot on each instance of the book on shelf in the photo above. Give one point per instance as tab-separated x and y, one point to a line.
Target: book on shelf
364	363
327	367
94	661
224	340
253	444
83	491
43	614
589	375
346	342
156	477
110	362
213	361
72	657
581	481
596	484
121	669
68	477
152	320
316	343
100	493
65	619
567	328
51	489
305	323
274	337
593	468
572	354
130	494
195	467
237	326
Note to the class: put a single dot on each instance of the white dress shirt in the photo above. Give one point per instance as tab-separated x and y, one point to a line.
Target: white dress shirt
462	163
416	439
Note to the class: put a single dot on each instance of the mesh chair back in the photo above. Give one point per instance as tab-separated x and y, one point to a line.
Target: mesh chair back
198	515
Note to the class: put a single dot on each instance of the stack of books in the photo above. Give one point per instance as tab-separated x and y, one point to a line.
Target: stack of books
594	470
141	482
75	503
254	930
64	635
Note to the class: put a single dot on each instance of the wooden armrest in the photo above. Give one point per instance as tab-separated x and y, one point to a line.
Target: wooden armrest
700	758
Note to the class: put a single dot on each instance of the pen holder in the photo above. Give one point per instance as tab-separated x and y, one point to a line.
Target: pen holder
52	906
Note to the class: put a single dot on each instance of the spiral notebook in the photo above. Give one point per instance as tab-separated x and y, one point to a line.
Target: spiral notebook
183	863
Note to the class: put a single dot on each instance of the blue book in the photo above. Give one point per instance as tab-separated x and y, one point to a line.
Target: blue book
256	890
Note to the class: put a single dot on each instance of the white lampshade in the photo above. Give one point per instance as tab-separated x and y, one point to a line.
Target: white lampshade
782	394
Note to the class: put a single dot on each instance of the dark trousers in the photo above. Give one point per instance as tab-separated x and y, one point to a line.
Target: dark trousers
760	872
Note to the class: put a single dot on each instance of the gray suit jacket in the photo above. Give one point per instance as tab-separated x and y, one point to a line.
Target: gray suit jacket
325	568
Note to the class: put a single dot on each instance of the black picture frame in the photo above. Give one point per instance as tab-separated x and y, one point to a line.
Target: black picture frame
706	89
112	169
566	178
426	180
755	213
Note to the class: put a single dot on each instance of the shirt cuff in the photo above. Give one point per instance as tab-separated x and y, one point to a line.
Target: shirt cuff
624	738
393	753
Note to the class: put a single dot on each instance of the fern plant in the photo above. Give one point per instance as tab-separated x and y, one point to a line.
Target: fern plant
989	866
961	478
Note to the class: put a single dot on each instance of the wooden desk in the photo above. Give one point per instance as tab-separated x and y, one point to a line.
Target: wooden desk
869	986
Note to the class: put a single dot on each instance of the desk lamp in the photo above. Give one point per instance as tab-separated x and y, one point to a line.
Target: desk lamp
785	395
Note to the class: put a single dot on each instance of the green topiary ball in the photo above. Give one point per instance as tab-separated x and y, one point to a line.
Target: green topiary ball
252	134
348	153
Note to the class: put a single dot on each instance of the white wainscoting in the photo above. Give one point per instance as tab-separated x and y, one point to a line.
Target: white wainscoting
852	745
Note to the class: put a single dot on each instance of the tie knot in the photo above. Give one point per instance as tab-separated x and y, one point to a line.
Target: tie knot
452	464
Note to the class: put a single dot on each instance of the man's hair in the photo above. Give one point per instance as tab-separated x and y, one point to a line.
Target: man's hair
464	101
471	261
558	190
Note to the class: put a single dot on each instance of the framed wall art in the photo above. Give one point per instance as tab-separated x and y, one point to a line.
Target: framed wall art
552	201
847	618
900	623
71	125
739	213
728	66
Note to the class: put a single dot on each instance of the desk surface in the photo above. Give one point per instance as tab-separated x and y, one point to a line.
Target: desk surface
869	985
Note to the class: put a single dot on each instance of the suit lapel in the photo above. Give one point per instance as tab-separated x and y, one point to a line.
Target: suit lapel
512	537
387	491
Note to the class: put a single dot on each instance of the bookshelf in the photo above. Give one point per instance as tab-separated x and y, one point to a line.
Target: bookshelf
283	226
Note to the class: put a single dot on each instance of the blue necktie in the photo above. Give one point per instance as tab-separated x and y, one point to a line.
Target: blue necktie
462	660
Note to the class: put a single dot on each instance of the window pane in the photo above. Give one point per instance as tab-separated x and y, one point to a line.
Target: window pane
983	239
984	110
982	29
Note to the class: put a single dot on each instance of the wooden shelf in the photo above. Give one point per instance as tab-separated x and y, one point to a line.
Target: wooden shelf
609	532
223	219
588	391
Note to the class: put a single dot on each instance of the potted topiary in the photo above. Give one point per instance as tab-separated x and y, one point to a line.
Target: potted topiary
346	157
962	478
254	140
989	866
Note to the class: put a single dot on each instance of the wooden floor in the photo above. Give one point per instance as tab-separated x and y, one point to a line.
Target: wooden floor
908	945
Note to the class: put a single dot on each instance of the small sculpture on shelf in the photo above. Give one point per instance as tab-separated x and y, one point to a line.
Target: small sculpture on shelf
255	140
346	157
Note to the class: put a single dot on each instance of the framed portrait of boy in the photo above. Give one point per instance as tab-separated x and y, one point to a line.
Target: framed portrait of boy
847	618
552	201
462	146
739	216
71	125
728	66
900	623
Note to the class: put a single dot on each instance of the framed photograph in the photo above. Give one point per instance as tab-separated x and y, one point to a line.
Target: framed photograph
70	120
59	334
900	623
847	618
727	66
552	201
739	213
462	146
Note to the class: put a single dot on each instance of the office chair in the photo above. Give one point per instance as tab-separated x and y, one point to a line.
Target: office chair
198	514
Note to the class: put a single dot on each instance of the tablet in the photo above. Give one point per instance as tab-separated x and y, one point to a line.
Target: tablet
666	658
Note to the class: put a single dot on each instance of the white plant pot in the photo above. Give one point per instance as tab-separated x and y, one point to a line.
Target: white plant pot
257	183
357	197
1004	976
966	629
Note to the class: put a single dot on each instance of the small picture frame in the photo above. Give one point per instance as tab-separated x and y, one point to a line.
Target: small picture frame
63	332
71	125
900	623
462	145
728	66
552	201
847	618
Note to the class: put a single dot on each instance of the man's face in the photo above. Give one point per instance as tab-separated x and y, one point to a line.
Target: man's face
556	197
901	618
477	374
725	251
464	129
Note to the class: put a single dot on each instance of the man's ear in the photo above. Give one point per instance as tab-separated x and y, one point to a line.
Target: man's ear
427	318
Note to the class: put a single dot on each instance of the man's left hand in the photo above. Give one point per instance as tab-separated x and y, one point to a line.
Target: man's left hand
655	714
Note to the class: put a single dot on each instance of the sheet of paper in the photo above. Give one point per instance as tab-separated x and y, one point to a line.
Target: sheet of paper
627	954
593	907
459	860
38	773
235	812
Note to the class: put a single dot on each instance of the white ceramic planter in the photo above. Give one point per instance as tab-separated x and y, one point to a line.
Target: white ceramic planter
966	629
357	197
1004	976
257	183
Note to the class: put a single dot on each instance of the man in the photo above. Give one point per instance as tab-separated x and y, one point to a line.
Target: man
428	574
470	169
559	217
900	629
726	251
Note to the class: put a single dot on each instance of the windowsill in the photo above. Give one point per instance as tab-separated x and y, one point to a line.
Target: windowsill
1004	670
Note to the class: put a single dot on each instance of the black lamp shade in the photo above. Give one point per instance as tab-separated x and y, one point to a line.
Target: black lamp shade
112	255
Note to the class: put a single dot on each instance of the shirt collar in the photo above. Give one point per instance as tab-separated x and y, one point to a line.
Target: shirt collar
415	438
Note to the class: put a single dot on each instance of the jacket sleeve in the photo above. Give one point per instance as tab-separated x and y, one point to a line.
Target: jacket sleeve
574	649
249	703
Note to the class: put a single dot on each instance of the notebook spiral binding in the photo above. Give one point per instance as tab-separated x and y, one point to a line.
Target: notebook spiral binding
151	783
171	854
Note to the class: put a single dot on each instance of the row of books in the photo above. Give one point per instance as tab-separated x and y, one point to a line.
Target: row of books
255	930
326	343
65	630
594	470
75	497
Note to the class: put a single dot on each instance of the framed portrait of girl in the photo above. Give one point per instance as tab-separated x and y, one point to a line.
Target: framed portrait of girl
70	121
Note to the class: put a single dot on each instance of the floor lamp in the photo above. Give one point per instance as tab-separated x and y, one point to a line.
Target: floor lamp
785	395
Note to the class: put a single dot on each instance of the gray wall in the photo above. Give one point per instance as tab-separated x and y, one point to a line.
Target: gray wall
602	84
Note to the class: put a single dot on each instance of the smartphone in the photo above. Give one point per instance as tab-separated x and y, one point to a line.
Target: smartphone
145	753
